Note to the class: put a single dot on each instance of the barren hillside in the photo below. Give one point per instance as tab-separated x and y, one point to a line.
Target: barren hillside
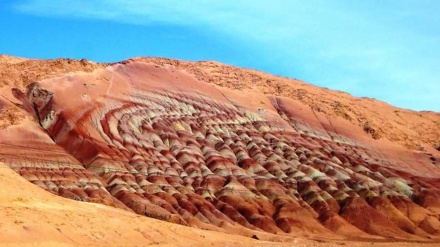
211	146
415	130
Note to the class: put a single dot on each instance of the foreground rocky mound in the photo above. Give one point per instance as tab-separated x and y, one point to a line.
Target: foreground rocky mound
153	139
34	217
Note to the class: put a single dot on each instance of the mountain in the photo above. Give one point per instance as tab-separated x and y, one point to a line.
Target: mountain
211	146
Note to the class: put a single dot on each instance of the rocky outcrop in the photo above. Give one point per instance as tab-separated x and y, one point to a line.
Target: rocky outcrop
406	127
156	141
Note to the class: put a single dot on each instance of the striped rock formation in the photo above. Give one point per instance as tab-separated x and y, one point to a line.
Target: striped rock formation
155	140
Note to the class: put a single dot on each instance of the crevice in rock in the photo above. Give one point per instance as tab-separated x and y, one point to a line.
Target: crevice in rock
37	113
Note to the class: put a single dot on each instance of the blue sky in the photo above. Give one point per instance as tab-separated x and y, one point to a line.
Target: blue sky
383	49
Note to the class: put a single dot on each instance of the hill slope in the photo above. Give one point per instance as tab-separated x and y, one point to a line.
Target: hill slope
222	148
415	130
34	217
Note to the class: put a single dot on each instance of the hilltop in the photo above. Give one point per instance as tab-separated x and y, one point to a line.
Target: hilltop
215	147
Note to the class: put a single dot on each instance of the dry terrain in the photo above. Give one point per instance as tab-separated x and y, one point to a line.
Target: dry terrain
159	151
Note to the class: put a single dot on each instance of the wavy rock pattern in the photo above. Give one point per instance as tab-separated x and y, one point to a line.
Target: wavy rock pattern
152	145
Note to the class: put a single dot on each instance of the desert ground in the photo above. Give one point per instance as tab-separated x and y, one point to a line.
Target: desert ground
153	151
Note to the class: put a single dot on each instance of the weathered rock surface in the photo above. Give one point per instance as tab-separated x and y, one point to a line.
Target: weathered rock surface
155	140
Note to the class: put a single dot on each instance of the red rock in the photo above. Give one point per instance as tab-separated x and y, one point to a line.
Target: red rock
183	151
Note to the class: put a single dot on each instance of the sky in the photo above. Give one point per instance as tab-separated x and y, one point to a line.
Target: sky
383	49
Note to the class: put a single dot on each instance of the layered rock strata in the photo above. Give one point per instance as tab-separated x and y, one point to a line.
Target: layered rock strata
155	140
